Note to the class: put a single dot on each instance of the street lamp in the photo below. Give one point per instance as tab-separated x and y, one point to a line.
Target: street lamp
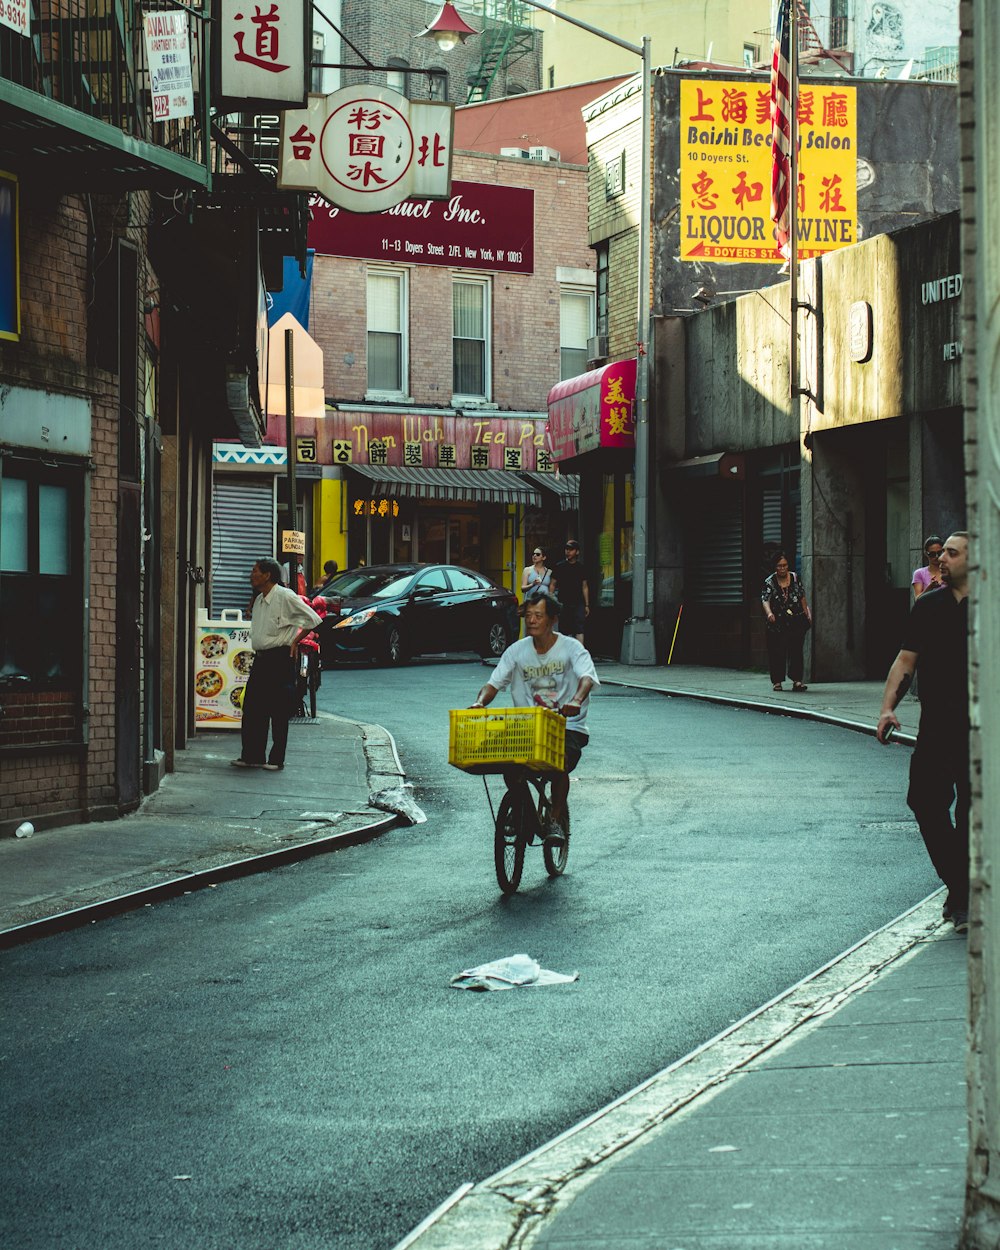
637	643
448	29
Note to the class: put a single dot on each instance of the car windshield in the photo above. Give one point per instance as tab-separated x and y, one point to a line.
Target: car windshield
369	584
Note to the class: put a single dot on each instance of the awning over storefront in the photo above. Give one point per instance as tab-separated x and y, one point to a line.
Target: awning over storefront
473	485
565	486
595	409
717	464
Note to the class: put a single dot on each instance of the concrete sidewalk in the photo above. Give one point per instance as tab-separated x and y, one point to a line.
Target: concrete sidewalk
833	1118
208	821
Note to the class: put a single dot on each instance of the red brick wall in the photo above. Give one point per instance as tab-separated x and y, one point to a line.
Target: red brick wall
55	255
525	358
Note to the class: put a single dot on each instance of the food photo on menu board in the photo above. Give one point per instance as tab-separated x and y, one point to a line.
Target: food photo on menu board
223	659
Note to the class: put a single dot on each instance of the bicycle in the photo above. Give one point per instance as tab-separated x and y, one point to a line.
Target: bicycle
307	679
520	819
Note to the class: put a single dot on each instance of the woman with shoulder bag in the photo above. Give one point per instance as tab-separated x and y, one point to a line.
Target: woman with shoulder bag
783	600
536	578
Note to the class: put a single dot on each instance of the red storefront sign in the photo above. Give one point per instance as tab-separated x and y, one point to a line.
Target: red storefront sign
482	226
596	409
424	441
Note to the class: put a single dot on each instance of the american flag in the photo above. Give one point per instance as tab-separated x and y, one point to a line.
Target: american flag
781	128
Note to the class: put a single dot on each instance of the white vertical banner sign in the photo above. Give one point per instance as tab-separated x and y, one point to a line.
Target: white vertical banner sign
367	148
261	52
168	55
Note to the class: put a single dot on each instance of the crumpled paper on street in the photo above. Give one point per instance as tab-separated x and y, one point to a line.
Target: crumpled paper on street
401	801
509	974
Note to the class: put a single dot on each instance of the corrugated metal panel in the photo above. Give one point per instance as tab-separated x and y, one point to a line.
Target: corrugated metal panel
717	554
243	524
772	515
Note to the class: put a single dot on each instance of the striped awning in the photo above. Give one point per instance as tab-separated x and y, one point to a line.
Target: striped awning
565	486
473	485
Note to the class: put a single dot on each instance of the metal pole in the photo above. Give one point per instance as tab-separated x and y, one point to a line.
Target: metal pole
290	441
638	644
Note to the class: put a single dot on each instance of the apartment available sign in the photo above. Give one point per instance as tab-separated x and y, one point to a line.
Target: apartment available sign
725	171
168	55
480	226
16	14
367	148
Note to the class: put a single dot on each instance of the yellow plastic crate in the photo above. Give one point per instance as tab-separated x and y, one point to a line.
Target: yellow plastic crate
484	740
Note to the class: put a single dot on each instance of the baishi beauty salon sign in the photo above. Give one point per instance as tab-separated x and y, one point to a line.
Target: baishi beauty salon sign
482	226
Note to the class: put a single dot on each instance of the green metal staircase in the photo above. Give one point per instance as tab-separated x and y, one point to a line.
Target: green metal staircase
505	38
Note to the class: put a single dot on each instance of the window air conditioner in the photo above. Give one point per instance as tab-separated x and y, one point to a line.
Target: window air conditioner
597	347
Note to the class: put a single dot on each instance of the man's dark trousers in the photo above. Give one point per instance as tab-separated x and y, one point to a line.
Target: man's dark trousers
939	777
267	703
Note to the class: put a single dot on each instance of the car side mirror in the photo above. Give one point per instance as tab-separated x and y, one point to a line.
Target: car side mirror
423	592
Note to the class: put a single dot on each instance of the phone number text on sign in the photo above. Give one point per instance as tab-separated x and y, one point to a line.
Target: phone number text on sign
16	15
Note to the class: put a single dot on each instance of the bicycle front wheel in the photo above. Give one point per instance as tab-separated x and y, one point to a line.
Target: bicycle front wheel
556	854
508	841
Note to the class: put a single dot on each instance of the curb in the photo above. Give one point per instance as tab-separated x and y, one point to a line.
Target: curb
509	1209
753	705
383	762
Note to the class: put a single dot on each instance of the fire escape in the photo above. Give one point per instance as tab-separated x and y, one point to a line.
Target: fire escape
505	38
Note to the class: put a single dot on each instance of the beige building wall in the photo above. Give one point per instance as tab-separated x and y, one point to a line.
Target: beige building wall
690	30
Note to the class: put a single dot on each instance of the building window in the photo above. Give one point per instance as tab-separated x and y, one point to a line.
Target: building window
397	77
41	590
751	55
552	76
437	83
602	288
470	302
576	325
387	322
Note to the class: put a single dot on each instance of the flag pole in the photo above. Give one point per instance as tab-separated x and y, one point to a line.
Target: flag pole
793	203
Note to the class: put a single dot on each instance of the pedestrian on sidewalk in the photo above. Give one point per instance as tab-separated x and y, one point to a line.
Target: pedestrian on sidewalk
935	645
929	576
569	585
279	622
783	600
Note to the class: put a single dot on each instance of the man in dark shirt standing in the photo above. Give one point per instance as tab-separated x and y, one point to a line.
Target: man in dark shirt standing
936	644
571	589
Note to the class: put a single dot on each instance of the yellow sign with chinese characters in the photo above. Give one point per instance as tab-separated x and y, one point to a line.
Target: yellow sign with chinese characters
725	171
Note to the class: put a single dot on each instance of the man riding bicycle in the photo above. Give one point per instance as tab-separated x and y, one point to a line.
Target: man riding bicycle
551	670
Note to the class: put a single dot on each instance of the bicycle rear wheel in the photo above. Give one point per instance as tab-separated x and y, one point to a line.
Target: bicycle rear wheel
508	841
555	854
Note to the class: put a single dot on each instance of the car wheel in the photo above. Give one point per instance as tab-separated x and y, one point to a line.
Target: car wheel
394	651
496	642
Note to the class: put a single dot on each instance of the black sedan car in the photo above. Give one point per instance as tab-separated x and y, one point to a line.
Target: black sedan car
389	612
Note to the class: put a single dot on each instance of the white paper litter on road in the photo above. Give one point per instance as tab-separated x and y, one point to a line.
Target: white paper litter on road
514	972
399	800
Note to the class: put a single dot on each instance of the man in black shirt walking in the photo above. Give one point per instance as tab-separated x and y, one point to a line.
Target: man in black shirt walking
571	589
936	644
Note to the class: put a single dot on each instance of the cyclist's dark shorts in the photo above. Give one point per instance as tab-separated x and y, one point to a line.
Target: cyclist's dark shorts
575	742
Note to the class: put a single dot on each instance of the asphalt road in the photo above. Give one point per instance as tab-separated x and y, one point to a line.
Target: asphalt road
279	1063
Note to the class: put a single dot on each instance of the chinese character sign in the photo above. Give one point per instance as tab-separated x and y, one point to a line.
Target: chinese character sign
261	51
168	55
367	148
725	171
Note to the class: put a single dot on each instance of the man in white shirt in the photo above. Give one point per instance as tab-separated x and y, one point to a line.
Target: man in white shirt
550	670
279	622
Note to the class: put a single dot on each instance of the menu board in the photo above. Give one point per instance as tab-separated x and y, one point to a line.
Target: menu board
223	658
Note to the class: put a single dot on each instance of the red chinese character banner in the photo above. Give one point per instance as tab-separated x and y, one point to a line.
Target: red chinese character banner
367	148
726	171
482	226
596	409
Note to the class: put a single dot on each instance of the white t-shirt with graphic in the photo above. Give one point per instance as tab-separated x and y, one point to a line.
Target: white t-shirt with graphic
548	680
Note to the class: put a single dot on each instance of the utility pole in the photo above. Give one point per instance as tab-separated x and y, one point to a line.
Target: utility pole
979	105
